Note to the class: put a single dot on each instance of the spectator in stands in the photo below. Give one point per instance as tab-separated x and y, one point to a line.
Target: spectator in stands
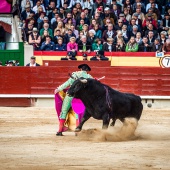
45	21
48	45
153	15
114	2
127	15
109	33
38	4
80	27
75	14
165	23
62	13
35	39
132	45
69	56
98	31
93	23
138	21
25	14
57	35
74	31
87	13
130	26
151	38
98	19
55	23
166	46
119	25
138	38
49	8
84	45
85	30
87	4
10	63
40	20
72	46
53	16
149	20
125	33
141	15
28	31
136	4
60	46
128	5
96	5
97	45
109	45
99	57
91	36
151	28
120	46
163	37
156	46
111	15
149	5
100	11
83	16
116	11
156	11
46	27
78	6
68	24
144	46
107	17
122	17
43	37
69	15
60	26
119	36
68	35
134	31
33	62
39	11
26	2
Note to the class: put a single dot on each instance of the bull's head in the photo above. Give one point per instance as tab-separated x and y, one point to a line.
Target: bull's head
77	86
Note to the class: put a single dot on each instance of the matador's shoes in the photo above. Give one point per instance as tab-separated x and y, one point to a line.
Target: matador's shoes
59	134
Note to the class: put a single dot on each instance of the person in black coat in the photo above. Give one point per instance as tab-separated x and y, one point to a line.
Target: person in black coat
99	57
33	63
26	12
84	45
156	46
109	45
144	47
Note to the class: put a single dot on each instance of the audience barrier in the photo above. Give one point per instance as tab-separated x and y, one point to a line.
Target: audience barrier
144	59
144	81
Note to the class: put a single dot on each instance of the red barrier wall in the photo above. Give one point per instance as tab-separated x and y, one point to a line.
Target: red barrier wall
43	80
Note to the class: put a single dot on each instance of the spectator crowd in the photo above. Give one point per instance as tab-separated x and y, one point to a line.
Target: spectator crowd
97	25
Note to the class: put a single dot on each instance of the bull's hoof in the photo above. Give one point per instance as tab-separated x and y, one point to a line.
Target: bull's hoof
59	134
112	124
77	130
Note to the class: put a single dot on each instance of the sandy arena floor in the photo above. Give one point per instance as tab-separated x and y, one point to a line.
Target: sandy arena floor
28	142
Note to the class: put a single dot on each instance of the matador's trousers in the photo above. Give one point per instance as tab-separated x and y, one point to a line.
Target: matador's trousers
66	106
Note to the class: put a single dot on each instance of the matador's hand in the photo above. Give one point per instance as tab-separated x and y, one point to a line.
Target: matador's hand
56	91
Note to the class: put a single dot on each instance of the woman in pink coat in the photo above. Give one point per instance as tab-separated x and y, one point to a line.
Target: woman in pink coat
72	46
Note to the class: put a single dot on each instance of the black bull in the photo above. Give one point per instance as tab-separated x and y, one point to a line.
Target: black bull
104	103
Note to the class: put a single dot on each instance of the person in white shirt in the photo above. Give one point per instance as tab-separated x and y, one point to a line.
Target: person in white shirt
32	62
35	8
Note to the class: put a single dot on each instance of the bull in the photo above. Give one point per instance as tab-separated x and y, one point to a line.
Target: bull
104	103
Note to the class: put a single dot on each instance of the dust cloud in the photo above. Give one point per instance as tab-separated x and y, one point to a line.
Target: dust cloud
124	133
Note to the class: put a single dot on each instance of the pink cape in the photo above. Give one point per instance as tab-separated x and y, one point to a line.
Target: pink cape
77	106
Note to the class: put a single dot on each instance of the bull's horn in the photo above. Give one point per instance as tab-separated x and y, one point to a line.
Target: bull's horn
84	81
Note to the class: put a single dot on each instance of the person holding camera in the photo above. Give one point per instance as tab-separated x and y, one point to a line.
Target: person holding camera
99	57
